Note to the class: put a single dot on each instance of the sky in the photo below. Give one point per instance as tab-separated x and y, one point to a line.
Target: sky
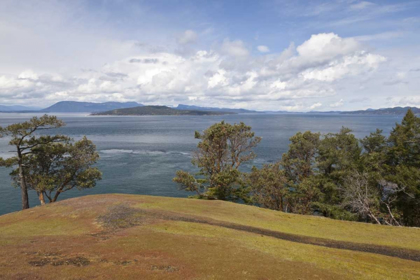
265	55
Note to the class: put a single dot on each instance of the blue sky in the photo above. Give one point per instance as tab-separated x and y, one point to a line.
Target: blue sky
266	55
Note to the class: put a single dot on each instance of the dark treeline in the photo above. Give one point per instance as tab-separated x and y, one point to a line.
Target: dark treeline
375	179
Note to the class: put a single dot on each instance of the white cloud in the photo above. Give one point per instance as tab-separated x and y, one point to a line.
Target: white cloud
406	101
348	65
337	104
234	48
263	49
316	105
188	37
321	47
219	76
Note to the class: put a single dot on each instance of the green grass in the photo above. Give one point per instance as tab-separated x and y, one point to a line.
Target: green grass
148	241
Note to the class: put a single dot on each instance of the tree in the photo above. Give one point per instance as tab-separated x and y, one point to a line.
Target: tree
374	143
404	142
221	152
59	167
360	197
338	156
299	161
403	166
372	201
24	141
269	187
304	196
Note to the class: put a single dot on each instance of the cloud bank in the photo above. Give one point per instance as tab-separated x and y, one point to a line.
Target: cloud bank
224	75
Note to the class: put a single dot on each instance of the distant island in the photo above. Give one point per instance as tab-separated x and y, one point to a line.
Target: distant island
87	107
158	111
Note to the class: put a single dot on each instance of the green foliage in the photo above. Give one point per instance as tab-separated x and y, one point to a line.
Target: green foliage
222	149
22	137
59	167
269	186
49	164
403	166
375	179
299	161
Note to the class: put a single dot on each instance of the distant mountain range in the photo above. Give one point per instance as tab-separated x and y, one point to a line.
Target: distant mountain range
87	107
158	110
90	107
385	111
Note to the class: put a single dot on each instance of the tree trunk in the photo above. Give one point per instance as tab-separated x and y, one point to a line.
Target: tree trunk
41	198
23	187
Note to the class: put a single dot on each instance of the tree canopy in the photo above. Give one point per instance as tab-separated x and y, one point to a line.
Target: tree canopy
375	179
48	164
222	149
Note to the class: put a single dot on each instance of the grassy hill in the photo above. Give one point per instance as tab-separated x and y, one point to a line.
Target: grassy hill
158	110
145	237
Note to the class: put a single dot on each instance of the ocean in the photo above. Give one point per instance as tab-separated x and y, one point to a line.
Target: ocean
140	154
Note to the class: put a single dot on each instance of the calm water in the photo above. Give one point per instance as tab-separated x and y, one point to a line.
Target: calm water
140	155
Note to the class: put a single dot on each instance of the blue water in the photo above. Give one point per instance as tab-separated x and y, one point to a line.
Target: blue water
140	155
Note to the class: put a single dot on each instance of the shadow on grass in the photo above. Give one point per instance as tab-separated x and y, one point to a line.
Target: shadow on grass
122	216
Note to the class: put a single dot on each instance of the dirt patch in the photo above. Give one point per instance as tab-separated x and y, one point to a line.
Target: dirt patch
166	268
121	216
55	259
77	261
40	262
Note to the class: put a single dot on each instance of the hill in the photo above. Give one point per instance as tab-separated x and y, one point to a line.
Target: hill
214	109
145	237
87	107
157	110
384	111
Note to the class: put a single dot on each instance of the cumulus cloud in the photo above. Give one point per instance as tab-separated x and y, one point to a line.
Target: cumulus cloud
234	48
324	46
219	76
263	49
188	37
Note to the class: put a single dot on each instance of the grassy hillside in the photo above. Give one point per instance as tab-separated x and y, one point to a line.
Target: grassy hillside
158	110
145	237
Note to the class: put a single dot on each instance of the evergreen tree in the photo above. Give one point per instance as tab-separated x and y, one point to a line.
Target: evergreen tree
221	152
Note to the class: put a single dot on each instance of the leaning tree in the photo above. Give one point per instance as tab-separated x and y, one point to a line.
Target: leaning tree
24	140
49	164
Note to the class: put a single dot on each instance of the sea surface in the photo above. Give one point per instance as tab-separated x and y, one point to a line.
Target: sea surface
140	154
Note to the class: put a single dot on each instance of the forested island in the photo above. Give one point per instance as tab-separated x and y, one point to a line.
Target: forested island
159	111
